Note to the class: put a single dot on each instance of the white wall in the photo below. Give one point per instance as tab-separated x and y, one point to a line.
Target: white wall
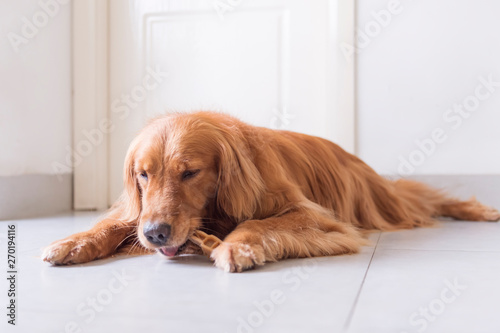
412	71
35	86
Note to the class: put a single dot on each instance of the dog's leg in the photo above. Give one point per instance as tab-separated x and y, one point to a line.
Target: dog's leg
470	210
293	235
104	239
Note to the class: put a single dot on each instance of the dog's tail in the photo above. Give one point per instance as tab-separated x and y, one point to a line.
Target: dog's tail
421	201
406	204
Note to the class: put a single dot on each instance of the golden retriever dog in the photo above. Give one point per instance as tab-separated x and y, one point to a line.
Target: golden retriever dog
268	194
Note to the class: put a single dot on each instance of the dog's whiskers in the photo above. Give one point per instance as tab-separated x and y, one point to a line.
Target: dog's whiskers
125	239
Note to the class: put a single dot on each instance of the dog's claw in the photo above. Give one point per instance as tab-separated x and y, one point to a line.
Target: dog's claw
68	251
237	257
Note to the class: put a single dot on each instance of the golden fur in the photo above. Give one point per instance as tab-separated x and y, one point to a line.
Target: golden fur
268	194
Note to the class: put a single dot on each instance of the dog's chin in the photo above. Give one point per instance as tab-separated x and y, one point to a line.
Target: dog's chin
187	248
172	251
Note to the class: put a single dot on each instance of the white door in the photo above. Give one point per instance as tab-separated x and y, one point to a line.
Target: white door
273	63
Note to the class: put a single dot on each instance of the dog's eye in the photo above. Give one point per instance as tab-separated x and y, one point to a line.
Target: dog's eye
189	174
144	175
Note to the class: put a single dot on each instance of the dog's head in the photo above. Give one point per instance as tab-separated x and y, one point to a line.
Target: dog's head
177	167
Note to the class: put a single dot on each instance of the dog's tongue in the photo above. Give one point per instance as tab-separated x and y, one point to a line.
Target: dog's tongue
169	251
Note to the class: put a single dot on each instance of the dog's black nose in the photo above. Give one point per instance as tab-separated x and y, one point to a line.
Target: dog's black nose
156	233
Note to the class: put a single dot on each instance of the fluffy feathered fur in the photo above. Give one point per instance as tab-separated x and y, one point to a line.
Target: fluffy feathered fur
269	194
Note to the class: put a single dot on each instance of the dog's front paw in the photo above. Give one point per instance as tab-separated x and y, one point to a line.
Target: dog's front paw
237	257
71	250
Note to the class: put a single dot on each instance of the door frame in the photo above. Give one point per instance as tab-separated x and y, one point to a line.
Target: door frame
91	125
90	104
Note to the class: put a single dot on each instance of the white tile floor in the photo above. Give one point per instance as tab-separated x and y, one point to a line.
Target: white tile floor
444	279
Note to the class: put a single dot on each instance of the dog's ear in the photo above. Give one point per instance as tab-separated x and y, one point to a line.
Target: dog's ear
131	197
240	184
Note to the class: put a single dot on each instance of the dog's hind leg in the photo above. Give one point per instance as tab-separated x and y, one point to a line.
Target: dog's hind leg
470	210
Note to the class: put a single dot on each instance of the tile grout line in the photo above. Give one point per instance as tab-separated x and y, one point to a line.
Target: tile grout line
355	303
444	250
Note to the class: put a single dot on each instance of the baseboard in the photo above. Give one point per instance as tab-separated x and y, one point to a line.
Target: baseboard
486	188
42	195
35	195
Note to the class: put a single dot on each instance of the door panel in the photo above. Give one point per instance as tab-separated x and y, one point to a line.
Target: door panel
267	62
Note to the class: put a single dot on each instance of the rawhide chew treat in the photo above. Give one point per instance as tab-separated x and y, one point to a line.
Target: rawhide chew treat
207	242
